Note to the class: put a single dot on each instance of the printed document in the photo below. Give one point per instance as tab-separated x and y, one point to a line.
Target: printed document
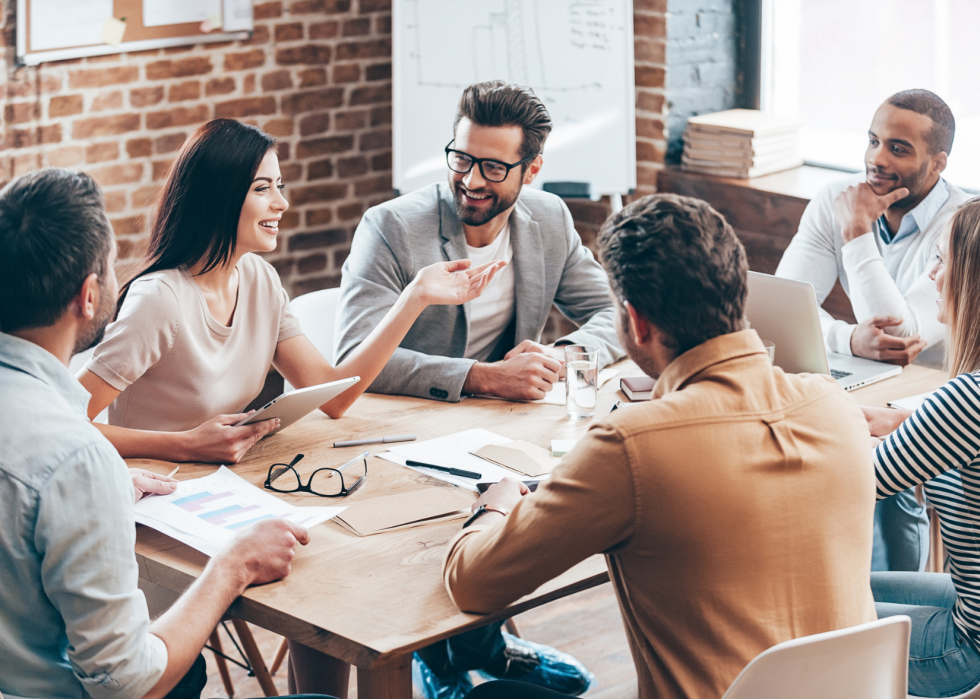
206	513
453	451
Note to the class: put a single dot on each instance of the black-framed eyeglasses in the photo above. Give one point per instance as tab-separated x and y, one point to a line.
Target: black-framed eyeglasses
492	170
325	482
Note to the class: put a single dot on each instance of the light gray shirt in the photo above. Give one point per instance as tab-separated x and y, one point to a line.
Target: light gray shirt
72	622
398	238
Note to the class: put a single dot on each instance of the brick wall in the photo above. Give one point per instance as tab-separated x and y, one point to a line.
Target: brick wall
316	75
701	53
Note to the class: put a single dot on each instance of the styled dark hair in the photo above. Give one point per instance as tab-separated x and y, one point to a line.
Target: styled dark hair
679	264
54	233
201	202
497	103
940	136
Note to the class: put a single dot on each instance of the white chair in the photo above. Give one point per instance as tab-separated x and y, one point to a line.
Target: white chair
74	365
317	312
870	661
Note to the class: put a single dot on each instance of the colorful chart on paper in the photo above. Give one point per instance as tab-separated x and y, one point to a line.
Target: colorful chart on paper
207	512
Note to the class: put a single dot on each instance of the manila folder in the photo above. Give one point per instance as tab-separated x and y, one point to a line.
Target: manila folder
391	512
523	457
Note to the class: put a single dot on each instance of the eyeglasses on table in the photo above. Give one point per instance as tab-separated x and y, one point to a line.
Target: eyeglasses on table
324	482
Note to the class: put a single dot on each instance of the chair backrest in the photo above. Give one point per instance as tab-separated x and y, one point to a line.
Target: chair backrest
74	366
870	661
317	312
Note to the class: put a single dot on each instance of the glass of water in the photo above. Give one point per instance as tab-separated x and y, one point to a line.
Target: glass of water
771	349
581	380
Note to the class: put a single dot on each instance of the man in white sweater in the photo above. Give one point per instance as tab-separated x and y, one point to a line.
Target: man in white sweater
877	232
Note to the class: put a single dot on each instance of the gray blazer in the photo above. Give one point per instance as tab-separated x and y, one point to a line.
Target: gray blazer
398	238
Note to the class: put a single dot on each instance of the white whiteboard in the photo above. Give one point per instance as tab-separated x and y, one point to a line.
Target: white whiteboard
577	55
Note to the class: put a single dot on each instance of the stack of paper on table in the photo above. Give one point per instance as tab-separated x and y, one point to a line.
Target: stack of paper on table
206	513
741	143
393	512
455	451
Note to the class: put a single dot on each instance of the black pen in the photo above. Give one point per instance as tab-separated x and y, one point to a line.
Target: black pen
447	469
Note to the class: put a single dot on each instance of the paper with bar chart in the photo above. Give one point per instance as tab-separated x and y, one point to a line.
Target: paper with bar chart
206	513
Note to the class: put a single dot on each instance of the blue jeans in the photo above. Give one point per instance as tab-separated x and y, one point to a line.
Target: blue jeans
942	661
470	650
901	538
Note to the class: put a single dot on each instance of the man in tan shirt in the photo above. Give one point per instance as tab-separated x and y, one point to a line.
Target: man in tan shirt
710	501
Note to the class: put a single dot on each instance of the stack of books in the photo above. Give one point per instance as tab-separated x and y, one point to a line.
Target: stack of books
741	143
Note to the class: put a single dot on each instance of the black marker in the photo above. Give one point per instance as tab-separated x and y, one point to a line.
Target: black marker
446	469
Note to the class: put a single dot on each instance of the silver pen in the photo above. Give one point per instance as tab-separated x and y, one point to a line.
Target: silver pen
375	440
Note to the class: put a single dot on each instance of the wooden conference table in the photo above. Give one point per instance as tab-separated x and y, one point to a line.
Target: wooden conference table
372	601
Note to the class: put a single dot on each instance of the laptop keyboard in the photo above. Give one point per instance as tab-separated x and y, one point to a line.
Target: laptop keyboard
838	374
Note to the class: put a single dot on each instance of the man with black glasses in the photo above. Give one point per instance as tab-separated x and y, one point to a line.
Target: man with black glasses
483	213
490	345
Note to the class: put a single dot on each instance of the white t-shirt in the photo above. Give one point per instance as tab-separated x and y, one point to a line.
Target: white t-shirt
490	313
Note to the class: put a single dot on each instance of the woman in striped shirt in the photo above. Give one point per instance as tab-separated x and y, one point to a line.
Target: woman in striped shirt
938	446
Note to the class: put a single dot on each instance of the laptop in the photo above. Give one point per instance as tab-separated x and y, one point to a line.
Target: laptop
784	311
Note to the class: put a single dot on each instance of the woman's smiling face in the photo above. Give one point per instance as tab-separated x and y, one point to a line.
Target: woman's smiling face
258	225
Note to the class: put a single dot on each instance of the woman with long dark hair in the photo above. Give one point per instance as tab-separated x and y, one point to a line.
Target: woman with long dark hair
198	327
938	447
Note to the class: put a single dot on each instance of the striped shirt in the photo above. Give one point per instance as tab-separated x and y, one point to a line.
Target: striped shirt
939	446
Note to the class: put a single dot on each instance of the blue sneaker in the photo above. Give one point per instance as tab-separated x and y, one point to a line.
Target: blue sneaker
525	661
455	688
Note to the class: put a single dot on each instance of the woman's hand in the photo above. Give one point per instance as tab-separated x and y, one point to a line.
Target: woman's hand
219	441
883	421
453	283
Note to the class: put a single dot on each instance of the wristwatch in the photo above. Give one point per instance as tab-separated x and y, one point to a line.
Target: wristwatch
482	510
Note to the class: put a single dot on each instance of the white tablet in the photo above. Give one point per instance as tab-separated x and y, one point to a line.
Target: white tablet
293	405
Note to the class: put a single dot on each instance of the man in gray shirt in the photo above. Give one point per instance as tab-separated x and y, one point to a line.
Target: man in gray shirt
72	621
484	212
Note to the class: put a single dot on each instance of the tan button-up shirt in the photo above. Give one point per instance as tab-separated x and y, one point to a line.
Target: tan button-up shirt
735	511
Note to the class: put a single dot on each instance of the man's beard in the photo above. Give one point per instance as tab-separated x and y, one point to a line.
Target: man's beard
473	216
632	351
95	331
913	183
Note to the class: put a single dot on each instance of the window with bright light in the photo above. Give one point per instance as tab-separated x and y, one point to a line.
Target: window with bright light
831	63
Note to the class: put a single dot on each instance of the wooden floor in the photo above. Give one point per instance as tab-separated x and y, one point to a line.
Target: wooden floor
587	625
